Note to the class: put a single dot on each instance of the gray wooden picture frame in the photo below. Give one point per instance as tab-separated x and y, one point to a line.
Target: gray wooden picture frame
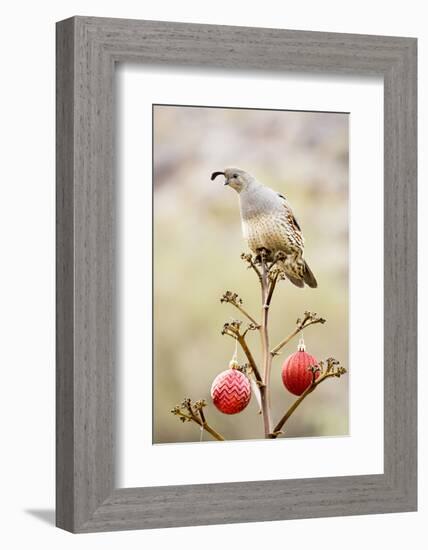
87	51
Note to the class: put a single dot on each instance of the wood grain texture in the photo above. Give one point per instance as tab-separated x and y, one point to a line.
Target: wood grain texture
87	49
64	277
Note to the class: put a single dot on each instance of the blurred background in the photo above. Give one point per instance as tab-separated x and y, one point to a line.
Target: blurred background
197	247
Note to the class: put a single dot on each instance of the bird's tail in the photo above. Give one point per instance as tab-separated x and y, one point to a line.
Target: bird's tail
309	277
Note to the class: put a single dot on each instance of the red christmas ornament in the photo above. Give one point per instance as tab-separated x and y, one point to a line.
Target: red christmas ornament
296	375
231	390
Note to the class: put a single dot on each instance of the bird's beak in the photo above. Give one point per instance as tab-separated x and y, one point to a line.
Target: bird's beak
215	174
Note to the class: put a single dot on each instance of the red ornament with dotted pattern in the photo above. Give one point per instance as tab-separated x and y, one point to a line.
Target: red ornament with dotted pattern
231	390
296	375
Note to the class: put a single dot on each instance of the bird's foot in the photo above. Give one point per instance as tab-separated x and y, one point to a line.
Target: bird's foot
278	259
262	255
280	256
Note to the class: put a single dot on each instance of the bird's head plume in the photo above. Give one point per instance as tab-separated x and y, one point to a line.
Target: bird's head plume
236	178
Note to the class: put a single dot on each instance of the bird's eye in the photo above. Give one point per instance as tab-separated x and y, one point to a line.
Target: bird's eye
235	175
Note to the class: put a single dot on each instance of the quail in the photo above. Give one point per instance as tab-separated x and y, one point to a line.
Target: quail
269	225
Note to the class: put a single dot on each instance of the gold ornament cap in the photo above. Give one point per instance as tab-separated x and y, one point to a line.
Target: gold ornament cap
233	364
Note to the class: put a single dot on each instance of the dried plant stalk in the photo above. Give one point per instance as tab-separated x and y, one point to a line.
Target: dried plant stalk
268	274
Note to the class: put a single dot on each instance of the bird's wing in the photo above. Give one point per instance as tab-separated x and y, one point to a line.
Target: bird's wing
294	230
291	218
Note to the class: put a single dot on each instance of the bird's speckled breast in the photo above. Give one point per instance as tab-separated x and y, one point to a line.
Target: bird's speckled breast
268	231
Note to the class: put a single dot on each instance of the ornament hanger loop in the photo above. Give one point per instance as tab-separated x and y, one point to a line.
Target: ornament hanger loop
235	353
301	345
234	361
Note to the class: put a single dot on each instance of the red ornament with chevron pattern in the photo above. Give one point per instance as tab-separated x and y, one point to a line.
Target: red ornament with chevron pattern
296	375
231	390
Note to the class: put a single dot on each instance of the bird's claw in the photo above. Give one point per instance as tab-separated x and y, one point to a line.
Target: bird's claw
262	255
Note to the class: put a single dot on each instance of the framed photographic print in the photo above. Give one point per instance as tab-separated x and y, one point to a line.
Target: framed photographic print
236	274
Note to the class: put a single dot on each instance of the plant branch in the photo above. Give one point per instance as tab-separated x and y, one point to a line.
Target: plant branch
251	264
249	355
232	329
267	359
272	286
194	413
308	319
318	376
233	298
264	264
213	432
